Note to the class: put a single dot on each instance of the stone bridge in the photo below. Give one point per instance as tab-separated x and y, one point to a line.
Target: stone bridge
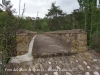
71	41
55	53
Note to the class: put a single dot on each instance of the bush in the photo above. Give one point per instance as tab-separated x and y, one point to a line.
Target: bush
45	27
95	41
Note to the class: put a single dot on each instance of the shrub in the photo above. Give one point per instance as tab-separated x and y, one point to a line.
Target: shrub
95	40
45	27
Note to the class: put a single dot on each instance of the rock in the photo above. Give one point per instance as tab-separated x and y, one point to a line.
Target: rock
38	73
50	68
43	60
76	60
55	73
56	62
87	73
41	67
82	37
37	65
84	63
96	73
88	67
59	62
73	50
96	67
67	73
29	63
45	74
39	60
29	69
20	69
51	59
73	56
94	60
80	67
49	62
91	57
58	67
33	68
78	74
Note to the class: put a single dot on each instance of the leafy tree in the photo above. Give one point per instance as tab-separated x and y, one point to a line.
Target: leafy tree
88	7
55	15
78	20
7	6
8	30
95	40
54	12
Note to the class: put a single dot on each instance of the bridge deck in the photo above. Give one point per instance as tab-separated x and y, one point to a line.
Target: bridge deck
49	45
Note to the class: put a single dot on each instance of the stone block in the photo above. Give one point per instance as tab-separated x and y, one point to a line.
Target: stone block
84	48
81	67
63	37
73	50
67	35
19	53
67	73
22	38
81	43
82	37
45	55
67	40
74	43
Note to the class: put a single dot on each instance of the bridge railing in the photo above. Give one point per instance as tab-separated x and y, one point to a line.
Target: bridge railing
23	41
77	38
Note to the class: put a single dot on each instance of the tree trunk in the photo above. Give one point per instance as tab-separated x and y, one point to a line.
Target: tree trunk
85	21
91	28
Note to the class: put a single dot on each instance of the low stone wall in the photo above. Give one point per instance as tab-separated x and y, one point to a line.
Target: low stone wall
23	40
77	38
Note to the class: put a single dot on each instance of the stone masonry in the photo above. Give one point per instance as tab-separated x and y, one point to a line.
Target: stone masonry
23	40
77	38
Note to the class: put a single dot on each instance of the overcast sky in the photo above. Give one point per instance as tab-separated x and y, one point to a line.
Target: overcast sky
42	6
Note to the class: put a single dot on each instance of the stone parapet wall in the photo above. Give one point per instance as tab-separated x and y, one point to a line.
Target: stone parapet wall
23	41
77	38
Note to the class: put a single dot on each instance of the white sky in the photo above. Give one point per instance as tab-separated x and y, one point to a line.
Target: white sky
42	6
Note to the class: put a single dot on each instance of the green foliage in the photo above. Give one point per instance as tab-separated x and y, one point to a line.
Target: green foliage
91	18
37	24
3	17
7	29
54	11
24	24
6	60
56	17
44	27
95	40
7	6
